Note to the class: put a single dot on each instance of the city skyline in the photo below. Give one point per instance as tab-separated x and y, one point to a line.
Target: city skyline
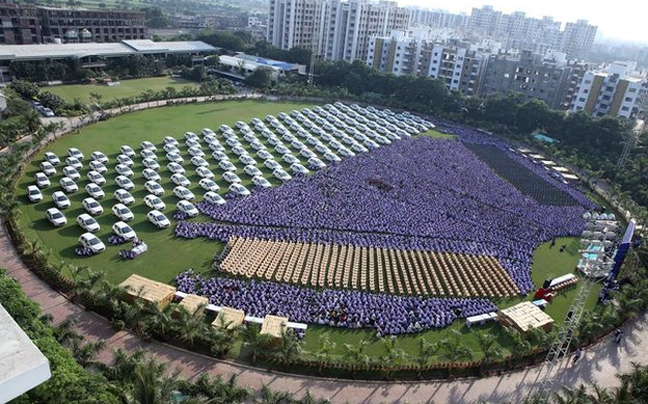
618	23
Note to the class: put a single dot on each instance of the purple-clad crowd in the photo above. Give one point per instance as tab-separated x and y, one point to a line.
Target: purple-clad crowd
424	193
387	314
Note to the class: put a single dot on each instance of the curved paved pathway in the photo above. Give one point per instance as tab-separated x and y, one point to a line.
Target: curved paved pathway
599	363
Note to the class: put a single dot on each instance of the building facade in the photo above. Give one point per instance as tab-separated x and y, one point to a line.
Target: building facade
617	90
334	29
25	24
19	24
577	38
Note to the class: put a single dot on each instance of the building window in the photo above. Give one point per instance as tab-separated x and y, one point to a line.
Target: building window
629	99
625	108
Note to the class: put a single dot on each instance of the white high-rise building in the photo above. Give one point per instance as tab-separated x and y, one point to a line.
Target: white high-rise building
577	38
334	29
616	90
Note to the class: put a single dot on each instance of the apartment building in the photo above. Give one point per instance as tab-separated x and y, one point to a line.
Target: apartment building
616	89
577	38
334	29
19	24
437	18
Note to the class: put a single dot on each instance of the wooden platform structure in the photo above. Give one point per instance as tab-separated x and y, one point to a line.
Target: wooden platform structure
194	304
385	270
156	293
524	317
274	326
230	317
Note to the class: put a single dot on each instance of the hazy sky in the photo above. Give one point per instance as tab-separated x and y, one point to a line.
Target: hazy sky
625	20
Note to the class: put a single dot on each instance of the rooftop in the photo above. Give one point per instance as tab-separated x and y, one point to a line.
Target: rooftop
108	49
22	365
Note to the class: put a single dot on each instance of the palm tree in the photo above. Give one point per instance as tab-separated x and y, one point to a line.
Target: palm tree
326	345
149	385
273	397
393	357
190	326
636	381
159	321
520	346
426	351
290	347
490	348
355	354
254	342
454	350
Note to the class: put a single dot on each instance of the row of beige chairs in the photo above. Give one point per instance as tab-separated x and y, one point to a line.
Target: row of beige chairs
373	269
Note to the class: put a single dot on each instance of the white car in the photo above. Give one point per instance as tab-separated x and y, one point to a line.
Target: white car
281	175
217	147
52	158
265	155
231	177
316	164
124	170
76	153
183	193
239	150
68	185
170	148
154	188
320	148
344	152
187	208
124	182
271	164
213	198
124	197
158	219
281	149
208	185
151	163
92	206
123	230
148	145
190	136
95	191
233	142
154	202
98	167
127	151
151	175
174	157
358	148
122	212
47	168
170	140
71	173
290	159
227	165
180	179
42	181
219	156
92	242
55	217
196	151
332	157
88	223
199	162
299	169
261	182
256	145
239	190
192	143
252	171
247	160
204	172
99	156
96	178
74	162
34	194
175	168
60	200
148	154
124	160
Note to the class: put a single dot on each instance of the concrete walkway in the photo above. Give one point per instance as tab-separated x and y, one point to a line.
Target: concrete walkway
599	363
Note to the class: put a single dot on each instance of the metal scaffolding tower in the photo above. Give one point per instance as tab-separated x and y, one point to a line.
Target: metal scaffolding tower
633	138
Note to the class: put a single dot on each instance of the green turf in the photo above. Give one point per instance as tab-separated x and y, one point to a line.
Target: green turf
435	134
167	255
127	88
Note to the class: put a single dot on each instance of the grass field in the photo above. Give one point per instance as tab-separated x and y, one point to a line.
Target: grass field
127	88
162	262
168	255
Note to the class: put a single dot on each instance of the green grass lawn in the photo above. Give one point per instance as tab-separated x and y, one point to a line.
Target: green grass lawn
127	88
168	255
435	134
163	260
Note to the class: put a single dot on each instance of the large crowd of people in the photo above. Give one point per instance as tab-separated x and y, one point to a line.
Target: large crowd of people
421	194
387	314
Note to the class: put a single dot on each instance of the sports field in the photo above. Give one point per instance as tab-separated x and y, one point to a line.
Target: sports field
127	88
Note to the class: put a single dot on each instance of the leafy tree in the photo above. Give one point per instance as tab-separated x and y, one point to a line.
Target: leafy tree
51	100
25	88
426	350
261	78
254	342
